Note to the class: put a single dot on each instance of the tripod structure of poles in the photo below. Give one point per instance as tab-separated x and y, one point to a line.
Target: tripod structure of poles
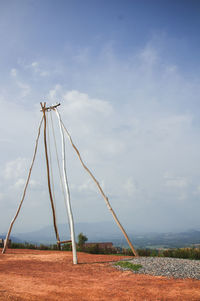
65	184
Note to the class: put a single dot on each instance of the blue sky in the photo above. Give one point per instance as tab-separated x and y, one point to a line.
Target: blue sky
127	74
35	28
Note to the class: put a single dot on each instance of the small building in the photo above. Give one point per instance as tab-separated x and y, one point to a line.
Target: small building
101	245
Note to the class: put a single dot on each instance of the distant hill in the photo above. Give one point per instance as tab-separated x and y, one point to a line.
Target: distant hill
13	238
94	231
167	240
108	231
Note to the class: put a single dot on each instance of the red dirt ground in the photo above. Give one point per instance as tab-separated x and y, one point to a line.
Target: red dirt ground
50	275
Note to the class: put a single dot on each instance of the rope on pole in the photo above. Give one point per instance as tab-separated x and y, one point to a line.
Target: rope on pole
101	191
25	188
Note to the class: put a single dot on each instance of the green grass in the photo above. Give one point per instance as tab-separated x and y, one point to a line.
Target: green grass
128	265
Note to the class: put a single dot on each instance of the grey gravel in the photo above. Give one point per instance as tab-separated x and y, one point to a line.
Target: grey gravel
169	267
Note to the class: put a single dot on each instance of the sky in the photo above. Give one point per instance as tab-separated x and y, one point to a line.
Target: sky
127	75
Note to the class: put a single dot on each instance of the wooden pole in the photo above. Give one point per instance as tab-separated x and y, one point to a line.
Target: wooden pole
71	221
102	193
48	176
24	193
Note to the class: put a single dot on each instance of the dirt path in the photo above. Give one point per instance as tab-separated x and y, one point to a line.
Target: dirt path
50	275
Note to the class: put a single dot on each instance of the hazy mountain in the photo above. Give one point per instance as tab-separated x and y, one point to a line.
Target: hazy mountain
108	231
94	231
167	240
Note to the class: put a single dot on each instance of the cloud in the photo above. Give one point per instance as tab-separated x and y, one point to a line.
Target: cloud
149	55
13	72
130	187
19	183
176	182
25	89
80	102
89	116
134	120
88	186
55	93
175	123
76	102
36	67
15	169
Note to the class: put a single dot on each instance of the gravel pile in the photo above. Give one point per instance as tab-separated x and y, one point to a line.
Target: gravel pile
169	267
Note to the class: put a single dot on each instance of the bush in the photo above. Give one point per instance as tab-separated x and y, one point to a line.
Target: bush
81	240
26	245
67	247
144	252
94	249
15	245
53	247
127	252
43	247
186	253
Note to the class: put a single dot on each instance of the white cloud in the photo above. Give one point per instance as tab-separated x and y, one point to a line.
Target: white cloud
88	186
175	181
172	69
55	92
25	88
89	118
44	73
76	102
34	183
149	55
82	56
80	102
15	169
174	123
36	67
182	196
131	119
130	187
197	190
19	183
13	72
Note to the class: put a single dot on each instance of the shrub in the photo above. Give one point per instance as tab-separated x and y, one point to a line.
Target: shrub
94	249
144	252
186	253
81	240
67	247
43	247
127	252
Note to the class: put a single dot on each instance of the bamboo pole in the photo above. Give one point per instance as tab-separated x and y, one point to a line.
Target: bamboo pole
102	193
24	193
48	176
71	221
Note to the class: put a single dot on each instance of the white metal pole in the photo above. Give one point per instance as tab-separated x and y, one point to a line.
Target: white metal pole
71	221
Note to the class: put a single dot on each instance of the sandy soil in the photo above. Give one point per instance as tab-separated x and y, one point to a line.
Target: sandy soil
50	275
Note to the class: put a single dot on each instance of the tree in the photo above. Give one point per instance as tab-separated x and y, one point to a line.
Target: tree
81	239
